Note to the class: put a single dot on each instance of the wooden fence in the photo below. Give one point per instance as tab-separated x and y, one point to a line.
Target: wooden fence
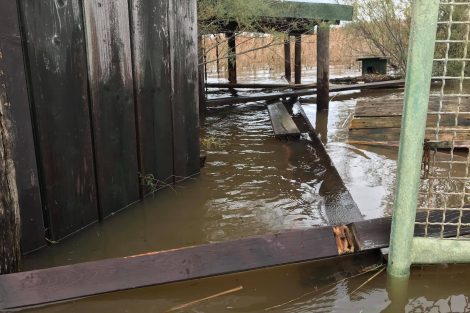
98	91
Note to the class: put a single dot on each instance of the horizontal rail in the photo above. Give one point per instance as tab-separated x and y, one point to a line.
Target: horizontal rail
301	93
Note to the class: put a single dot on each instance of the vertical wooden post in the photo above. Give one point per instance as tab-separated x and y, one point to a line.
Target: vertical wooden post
9	208
201	70
287	58
323	66
232	57
217	42
298	59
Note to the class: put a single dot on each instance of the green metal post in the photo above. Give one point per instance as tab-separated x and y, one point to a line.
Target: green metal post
418	80
435	251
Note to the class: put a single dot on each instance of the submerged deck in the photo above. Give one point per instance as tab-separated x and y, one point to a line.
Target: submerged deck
378	121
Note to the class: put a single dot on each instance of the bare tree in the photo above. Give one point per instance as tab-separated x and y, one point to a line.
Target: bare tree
385	26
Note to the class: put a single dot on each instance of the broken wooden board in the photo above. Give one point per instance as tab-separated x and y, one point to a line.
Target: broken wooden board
379	120
283	124
86	279
92	278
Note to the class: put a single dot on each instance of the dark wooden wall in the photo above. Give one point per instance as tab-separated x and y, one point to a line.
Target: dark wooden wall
102	91
14	91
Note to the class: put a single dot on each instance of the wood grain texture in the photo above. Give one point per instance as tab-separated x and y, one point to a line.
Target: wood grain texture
14	94
151	53
282	122
10	232
74	281
56	48
111	86
184	56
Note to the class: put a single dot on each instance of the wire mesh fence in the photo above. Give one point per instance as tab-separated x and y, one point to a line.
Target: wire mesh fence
445	187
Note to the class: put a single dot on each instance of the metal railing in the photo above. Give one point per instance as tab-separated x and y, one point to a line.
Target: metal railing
434	177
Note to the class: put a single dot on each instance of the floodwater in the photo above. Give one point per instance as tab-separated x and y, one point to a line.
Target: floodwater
253	184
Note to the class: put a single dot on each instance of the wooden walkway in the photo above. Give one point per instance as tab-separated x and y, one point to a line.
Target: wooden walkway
283	124
378	121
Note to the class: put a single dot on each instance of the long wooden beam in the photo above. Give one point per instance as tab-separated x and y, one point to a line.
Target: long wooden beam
259	85
300	93
92	278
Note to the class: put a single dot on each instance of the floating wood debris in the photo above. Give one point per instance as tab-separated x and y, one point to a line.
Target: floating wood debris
379	120
283	124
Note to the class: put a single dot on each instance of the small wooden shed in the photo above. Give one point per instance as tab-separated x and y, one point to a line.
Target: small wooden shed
374	65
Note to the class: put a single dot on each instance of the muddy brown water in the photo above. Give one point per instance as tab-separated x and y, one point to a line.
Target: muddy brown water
254	184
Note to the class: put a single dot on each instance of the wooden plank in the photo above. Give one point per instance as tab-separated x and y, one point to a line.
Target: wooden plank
282	122
183	47
298	59
259	85
80	280
14	94
92	278
111	87
395	121
383	107
151	53
393	134
301	93
58	69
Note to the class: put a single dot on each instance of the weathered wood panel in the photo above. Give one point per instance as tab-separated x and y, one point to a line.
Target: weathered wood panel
92	278
183	38
151	52
111	86
74	281
393	134
379	120
282	122
57	59
10	232
14	95
447	120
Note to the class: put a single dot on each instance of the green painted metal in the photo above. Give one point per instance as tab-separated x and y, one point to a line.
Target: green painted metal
312	11
418	80
435	250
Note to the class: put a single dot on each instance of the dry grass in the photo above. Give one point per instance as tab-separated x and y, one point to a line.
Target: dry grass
252	56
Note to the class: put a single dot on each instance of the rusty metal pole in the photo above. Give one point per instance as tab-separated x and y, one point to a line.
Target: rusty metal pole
323	66
298	59
287	60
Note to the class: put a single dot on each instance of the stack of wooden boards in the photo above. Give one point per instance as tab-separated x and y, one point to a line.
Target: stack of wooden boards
378	121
